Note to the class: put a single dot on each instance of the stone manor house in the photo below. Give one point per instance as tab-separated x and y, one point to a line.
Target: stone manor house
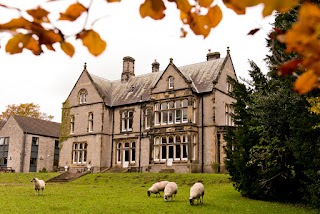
172	120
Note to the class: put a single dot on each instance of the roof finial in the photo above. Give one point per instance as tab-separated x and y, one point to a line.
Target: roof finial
228	50
171	60
85	66
209	50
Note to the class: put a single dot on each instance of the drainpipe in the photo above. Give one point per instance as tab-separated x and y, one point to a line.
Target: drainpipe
112	136
140	128
23	153
202	135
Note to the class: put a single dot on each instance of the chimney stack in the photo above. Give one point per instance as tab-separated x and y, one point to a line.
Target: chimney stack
155	66
213	56
128	68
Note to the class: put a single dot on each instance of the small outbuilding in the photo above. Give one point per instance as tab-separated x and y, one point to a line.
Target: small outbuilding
29	145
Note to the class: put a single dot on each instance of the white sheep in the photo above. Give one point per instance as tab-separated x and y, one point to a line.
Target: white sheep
170	191
38	185
158	187
196	192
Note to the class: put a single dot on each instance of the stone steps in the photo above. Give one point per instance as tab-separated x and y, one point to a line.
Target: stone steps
66	177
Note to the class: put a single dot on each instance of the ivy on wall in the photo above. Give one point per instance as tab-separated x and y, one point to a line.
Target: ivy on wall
65	123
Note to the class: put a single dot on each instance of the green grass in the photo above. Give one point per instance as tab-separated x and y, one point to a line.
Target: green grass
127	193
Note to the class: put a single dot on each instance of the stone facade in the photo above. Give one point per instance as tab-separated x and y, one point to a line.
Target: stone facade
29	144
165	120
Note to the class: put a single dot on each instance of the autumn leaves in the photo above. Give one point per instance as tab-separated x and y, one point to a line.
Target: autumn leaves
199	15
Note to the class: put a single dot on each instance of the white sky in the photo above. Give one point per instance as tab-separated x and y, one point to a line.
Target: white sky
48	79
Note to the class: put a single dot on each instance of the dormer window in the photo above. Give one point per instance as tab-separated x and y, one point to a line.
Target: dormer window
83	96
170	82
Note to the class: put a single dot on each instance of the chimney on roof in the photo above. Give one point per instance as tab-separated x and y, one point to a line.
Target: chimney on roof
155	66
128	69
213	55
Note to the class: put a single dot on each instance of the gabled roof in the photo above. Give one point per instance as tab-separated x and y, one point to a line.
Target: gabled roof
37	126
202	77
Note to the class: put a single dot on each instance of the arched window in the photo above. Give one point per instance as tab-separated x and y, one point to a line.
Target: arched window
83	96
147	117
170	82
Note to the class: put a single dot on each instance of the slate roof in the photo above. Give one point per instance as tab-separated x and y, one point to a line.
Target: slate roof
37	126
202	76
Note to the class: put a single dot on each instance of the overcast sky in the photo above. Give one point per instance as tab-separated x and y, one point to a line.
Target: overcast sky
48	79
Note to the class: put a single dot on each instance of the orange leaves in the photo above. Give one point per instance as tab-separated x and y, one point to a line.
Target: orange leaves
92	41
153	8
67	48
73	12
269	5
306	82
39	14
303	38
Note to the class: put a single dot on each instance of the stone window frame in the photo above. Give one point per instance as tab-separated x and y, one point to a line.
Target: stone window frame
121	146
147	118
180	145
228	115
82	96
126	120
4	150
166	114
90	122
79	152
170	82
72	124
229	85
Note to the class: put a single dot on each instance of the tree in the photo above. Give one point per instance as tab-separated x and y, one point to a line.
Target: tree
33	28
273	153
26	110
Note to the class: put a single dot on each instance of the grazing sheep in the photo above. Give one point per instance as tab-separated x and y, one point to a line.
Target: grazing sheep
170	190
156	188
38	185
196	192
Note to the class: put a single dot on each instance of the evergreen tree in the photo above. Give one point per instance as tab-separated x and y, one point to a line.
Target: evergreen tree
274	154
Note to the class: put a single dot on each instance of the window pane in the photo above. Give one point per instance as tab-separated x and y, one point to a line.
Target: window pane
170	152
164	117
163	152
178	104
185	115
177	152
184	151
178	116
133	155
156	152
170	116
185	103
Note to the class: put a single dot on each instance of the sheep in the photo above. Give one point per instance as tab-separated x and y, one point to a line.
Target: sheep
38	185
170	190
196	192
157	187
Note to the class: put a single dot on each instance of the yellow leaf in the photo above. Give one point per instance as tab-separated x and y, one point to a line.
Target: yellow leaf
152	8
34	46
215	16
184	6
67	48
306	82
276	5
39	14
73	12
185	17
49	37
17	43
92	41
200	25
205	3
16	24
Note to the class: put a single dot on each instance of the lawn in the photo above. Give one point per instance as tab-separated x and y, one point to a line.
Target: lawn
127	193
